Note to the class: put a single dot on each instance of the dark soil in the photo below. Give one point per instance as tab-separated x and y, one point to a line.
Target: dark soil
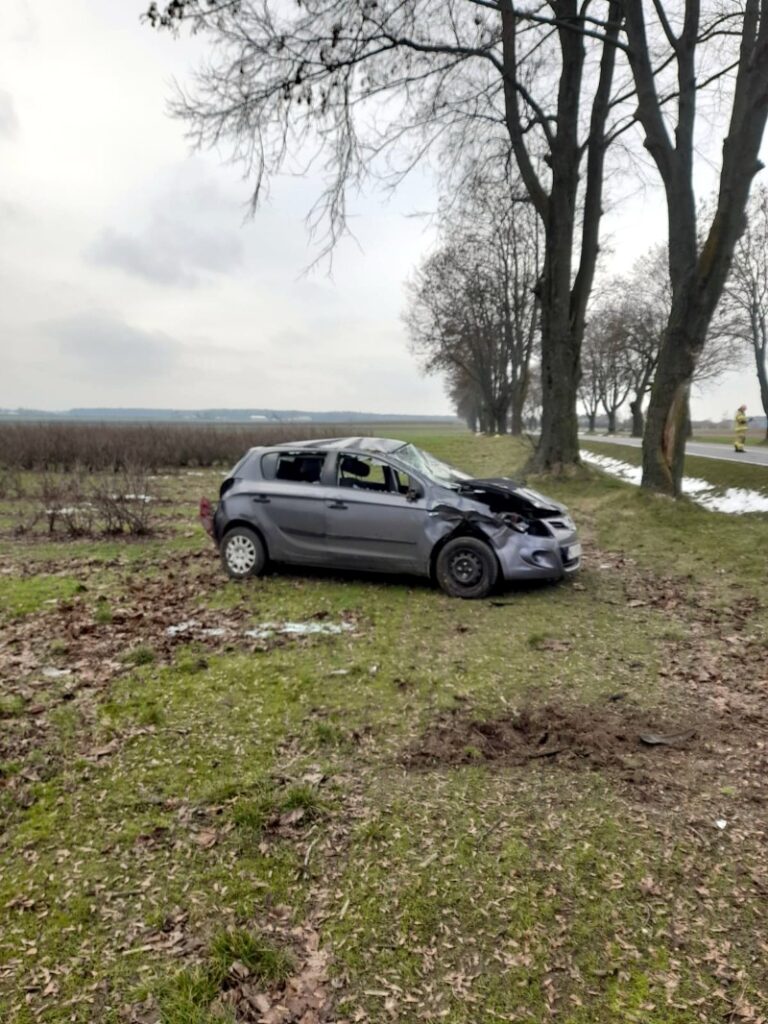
581	736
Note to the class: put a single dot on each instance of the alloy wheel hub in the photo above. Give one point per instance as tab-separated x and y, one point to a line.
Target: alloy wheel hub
241	554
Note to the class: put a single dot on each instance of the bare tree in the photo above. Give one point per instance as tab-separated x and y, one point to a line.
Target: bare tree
472	309
589	384
353	81
745	305
455	327
607	379
639	306
730	47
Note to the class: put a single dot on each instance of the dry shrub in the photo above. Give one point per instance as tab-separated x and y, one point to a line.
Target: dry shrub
79	504
97	447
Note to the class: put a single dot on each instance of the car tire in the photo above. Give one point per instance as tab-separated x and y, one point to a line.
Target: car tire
242	553
466	567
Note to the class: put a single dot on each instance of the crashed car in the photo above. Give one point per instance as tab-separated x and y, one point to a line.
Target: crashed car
370	503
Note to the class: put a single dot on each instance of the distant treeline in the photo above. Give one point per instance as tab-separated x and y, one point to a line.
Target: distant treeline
148	446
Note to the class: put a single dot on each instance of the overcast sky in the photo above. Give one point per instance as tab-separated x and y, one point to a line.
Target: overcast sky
130	274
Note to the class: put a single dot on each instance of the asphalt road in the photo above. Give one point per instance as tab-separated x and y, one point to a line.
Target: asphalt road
753	456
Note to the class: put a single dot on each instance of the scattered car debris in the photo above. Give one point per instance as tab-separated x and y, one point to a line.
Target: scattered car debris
653	739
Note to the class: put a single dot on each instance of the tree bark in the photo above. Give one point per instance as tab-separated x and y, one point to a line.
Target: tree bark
638	420
516	409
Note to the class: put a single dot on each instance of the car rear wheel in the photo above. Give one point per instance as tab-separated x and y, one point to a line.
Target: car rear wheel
242	553
466	567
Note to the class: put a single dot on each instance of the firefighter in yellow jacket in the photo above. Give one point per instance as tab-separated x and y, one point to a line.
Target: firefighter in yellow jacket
740	429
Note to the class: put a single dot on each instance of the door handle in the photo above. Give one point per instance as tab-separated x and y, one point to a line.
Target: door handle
262	499
337	504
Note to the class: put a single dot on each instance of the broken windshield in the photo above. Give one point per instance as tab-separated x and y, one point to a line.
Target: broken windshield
437	471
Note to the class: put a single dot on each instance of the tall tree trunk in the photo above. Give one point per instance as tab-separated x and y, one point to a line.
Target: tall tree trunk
592	418
560	347
563	296
517	404
638	422
611	421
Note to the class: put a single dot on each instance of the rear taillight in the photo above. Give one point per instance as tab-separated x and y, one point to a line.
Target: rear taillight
206	516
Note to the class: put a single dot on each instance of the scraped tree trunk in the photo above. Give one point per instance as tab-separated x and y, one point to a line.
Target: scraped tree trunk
667	420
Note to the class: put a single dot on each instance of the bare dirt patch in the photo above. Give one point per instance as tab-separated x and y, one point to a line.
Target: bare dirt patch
580	736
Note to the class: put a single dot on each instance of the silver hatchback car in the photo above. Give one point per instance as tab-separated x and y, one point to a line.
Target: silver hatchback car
375	504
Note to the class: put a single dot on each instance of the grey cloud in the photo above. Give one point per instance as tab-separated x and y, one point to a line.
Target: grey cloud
104	347
182	243
9	122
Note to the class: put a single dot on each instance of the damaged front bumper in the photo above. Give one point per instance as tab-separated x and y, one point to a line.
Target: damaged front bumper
539	557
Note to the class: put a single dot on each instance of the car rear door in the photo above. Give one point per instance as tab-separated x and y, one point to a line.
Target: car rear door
290	505
371	520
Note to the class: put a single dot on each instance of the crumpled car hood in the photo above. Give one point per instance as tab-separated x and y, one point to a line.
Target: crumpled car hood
502	494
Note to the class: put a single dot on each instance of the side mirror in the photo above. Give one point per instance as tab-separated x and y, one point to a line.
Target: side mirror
415	491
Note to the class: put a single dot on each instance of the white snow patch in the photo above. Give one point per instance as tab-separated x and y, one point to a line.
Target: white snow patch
56	673
264	630
182	627
734	501
267	629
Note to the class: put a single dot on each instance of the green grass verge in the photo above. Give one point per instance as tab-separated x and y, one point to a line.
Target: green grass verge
183	803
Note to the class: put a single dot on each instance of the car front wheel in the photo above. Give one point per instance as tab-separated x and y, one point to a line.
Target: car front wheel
466	567
242	553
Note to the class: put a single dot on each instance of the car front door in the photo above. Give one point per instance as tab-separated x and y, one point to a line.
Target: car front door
374	519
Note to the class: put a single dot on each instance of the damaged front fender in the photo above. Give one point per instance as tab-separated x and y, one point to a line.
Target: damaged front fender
446	520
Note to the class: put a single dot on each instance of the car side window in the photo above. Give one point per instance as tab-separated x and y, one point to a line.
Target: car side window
366	473
293	467
402	481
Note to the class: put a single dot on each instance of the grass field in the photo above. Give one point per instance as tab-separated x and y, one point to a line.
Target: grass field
443	811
